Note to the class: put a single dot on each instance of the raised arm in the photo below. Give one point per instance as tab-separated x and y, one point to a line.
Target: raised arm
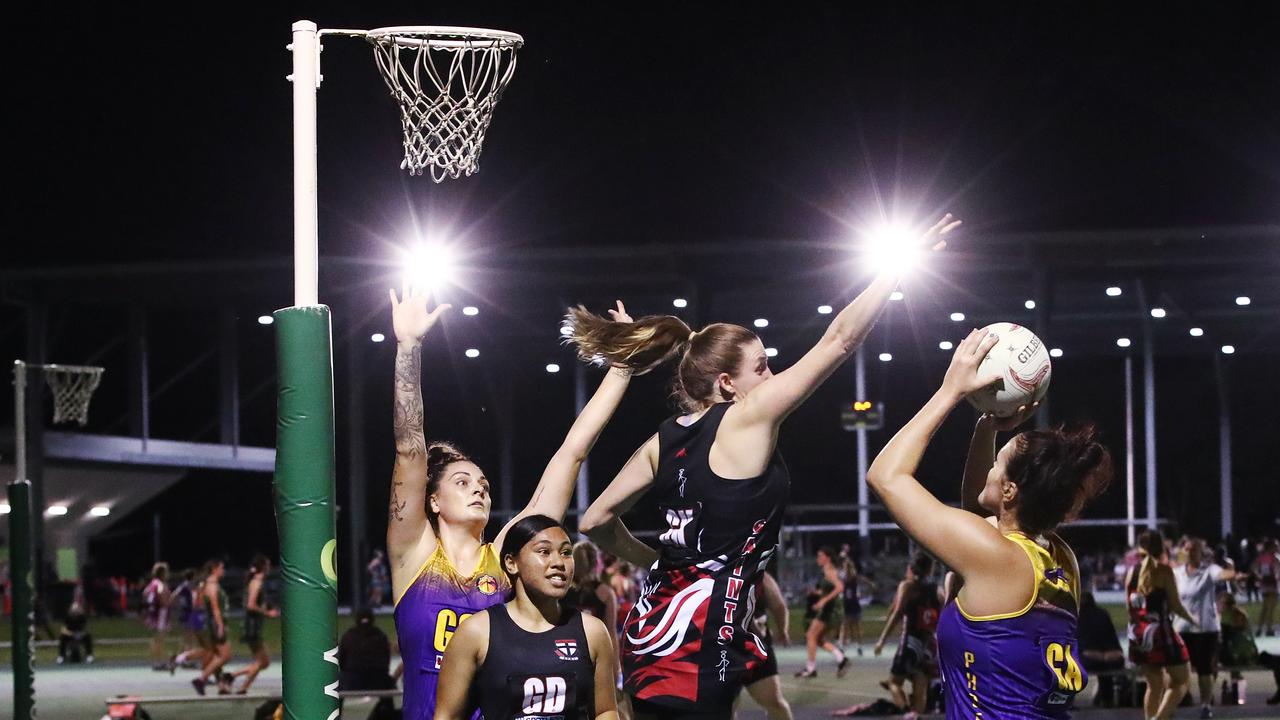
603	520
775	398
556	487
961	539
982	454
407	524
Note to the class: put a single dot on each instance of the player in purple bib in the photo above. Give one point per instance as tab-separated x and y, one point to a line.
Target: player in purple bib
442	571
1007	643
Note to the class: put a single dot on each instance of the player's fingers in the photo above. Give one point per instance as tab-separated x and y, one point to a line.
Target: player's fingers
394	302
950	227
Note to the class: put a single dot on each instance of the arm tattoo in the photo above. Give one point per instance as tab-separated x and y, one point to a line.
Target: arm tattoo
397	505
407	418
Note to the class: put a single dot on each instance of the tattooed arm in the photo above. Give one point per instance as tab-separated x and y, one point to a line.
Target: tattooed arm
409	535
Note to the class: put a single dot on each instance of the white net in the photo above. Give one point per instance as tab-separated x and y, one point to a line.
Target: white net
447	82
72	387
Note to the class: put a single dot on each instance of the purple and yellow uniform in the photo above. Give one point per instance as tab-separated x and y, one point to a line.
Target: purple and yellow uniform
429	612
1022	664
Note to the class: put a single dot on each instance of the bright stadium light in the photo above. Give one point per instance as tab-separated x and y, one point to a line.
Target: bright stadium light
553	368
566	330
957	317
886	357
377	337
1196	332
1055	352
771	352
5	509
57	510
471	311
1243	300
893	249
430	265
1157	312
99	511
1030	304
1228	349
1114	291
265	319
680	303
896	295
761	322
472	353
1123	342
824	309
946	345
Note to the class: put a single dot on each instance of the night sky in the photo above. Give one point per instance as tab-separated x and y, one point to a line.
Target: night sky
144	135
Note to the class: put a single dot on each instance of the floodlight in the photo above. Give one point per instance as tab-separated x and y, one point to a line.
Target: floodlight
771	352
1030	304
1196	332
1157	312
377	337
1055	352
265	319
553	368
946	345
1243	300
429	266
57	510
957	317
680	302
566	330
886	357
893	249
5	509
471	310
1123	342
761	322
99	511
1114	291
472	353
1228	349
896	295
824	309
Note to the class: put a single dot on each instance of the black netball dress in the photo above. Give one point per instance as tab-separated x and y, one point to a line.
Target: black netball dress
689	641
536	676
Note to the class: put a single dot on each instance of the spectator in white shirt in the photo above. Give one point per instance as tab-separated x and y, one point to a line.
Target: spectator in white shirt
1197	582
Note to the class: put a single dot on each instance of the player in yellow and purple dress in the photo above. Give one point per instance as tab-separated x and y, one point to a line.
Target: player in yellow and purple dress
440	505
1007	643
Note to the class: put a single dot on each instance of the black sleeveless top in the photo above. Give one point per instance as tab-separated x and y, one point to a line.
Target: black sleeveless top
708	517
920	610
530	675
689	642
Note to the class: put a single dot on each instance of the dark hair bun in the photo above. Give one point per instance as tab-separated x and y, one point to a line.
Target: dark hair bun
1057	471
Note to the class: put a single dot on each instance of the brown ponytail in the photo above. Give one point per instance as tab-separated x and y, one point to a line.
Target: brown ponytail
641	345
1151	548
652	340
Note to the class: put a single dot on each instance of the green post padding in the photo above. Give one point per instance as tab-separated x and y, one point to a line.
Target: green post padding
23	584
304	483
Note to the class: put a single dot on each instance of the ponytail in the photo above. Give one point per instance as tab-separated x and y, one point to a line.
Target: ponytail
642	345
1150	547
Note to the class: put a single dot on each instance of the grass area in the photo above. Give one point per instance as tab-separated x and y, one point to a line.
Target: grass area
131	628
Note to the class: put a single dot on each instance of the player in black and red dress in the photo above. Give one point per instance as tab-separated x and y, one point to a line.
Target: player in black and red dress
721	486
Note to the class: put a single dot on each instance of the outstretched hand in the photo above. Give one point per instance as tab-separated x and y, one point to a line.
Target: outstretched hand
620	315
409	315
937	235
962	376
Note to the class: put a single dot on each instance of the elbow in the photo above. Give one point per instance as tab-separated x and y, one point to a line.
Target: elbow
594	524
